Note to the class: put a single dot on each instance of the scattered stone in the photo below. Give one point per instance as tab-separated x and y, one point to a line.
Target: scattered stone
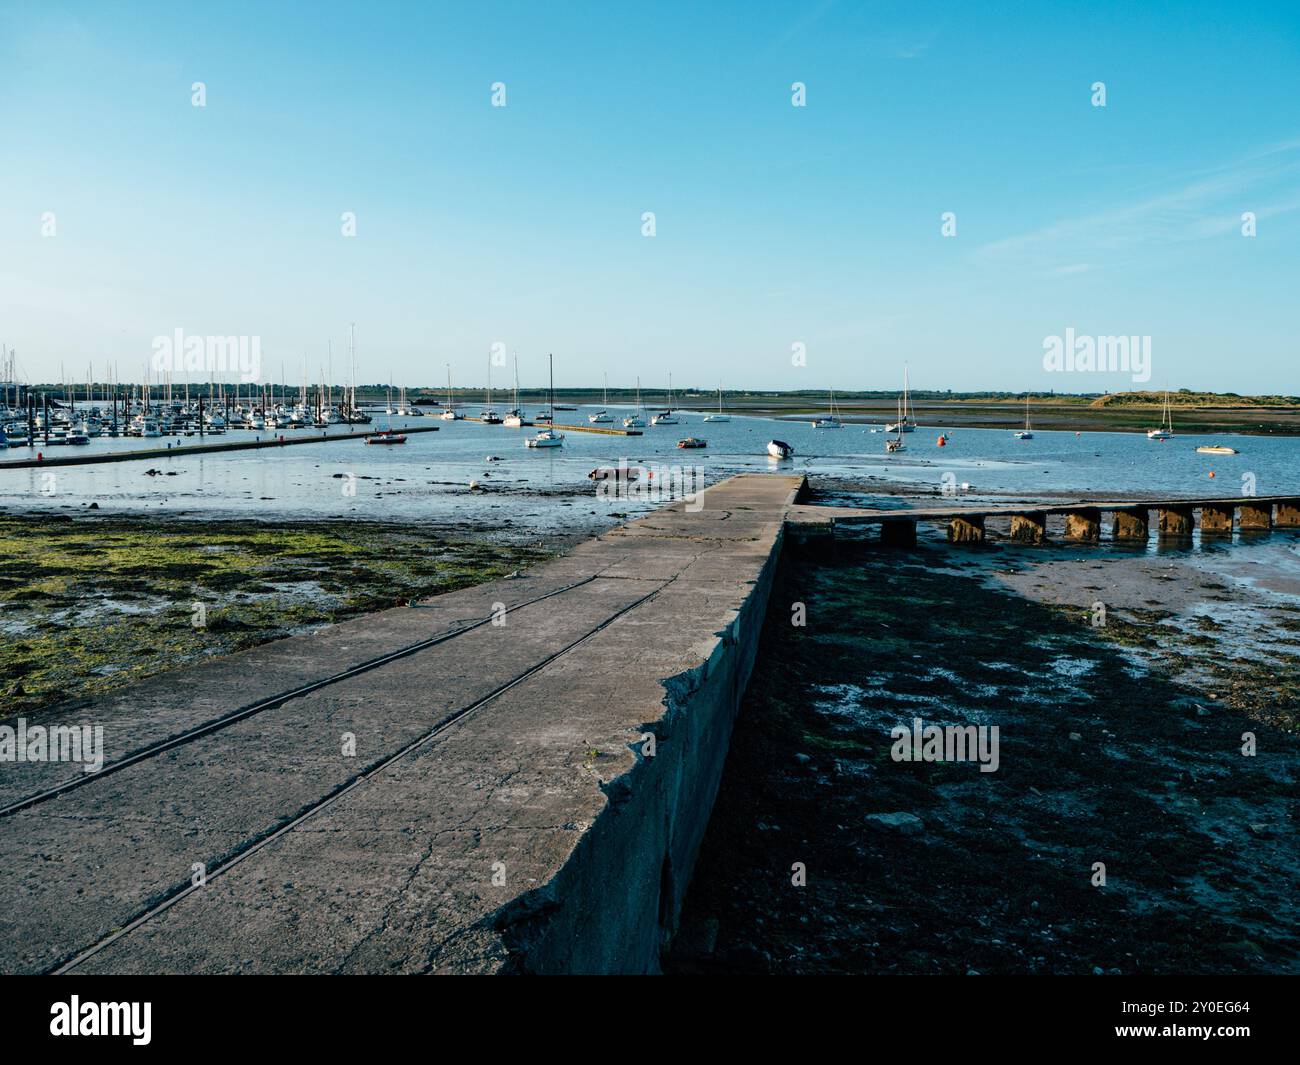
902	822
1076	737
801	758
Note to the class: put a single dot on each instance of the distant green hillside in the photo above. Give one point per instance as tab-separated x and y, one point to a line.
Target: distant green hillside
1186	398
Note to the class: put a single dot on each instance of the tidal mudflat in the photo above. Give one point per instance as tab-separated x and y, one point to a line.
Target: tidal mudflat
1121	743
88	603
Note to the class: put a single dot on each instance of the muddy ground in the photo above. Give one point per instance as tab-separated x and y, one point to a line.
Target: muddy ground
92	603
1120	744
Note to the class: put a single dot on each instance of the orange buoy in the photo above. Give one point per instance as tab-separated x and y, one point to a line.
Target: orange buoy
941	442
1211	473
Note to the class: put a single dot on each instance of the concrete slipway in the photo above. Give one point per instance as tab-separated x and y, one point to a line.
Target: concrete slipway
499	813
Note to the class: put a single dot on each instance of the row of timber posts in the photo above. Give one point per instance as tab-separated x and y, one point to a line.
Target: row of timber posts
1130	524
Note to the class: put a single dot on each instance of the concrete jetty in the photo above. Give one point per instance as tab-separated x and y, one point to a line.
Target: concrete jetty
513	777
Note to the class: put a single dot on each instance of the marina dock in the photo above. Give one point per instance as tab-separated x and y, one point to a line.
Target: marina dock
70	456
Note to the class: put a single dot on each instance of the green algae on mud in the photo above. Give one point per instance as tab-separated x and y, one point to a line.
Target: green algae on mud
90	604
1102	760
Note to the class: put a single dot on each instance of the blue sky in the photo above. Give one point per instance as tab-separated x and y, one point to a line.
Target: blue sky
775	225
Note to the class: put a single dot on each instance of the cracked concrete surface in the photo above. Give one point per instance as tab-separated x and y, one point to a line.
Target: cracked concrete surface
532	834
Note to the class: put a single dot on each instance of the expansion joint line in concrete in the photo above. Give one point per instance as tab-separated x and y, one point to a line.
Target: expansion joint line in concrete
270	703
361	778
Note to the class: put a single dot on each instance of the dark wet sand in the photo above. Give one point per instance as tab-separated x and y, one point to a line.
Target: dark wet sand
1119	744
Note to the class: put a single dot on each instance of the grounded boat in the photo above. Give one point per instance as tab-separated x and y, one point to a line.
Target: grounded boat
895	443
1166	430
779	449
548	437
831	419
1216	449
1026	433
615	473
720	416
692	442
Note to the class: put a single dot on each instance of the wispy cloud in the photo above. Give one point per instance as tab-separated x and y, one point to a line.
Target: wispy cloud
1209	204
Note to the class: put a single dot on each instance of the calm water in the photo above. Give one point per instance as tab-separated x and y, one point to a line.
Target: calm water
429	476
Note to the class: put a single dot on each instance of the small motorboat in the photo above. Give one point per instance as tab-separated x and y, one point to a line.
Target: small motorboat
615	473
1216	449
779	449
894	444
692	442
386	436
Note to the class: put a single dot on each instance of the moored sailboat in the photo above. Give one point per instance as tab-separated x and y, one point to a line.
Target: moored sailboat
906	423
831	419
720	416
1166	430
1026	433
550	437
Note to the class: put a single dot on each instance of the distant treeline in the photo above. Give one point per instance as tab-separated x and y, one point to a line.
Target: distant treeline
1185	397
655	394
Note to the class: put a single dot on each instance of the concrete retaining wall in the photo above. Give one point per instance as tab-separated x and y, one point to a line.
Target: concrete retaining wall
616	902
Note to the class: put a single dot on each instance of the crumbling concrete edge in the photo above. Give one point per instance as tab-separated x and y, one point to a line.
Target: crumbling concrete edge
614	904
